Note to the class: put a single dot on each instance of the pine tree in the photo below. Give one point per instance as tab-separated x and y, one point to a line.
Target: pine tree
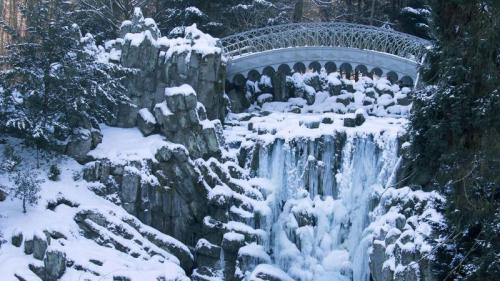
414	18
52	82
26	187
455	131
220	18
102	18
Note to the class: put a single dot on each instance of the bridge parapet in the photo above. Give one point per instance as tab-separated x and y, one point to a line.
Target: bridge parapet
356	46
331	34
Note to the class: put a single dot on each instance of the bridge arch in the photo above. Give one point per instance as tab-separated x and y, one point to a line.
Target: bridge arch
332	44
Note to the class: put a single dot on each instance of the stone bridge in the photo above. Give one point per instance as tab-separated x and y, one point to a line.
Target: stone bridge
351	49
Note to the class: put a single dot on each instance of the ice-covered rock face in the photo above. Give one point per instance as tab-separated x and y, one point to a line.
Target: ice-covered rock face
323	179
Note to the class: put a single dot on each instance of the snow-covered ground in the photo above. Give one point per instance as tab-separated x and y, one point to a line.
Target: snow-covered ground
60	203
319	180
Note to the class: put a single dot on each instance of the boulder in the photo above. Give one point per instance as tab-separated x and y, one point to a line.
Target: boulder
146	122
181	98
97	171
345	100
377	259
267	272
312	124
204	72
126	115
304	218
79	144
250	256
17	239
55	265
207	254
360	117
39	247
130	185
3	194
96	137
139	50
202	112
204	273
327	120
349	122
403	101
28	246
263	98
295	109
232	242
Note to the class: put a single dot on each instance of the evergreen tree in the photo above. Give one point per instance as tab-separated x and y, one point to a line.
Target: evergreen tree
455	131
102	18
414	18
220	18
26	188
52	82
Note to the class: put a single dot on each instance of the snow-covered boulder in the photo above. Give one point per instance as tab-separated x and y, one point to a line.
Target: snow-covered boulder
207	254
250	256
267	272
146	122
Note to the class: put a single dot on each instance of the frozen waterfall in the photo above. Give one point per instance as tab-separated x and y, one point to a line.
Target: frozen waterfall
321	197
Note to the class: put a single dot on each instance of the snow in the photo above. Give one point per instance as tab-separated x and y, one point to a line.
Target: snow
165	111
194	10
373	95
203	243
194	41
417	235
255	250
121	145
264	97
185	90
233	236
147	116
271	271
77	248
136	39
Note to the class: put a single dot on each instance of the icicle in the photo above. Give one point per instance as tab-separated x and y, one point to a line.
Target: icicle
318	234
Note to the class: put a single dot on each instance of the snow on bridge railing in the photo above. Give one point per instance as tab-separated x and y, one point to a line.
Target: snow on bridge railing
329	34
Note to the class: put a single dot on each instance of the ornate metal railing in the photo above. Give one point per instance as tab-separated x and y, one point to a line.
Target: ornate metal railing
331	34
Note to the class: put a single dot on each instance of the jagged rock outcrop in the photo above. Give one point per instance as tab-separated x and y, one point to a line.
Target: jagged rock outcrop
179	120
160	62
405	229
92	223
212	198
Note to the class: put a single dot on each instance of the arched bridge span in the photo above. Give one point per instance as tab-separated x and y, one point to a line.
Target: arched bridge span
341	46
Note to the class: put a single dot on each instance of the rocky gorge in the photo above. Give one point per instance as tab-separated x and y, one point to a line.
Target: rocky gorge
298	180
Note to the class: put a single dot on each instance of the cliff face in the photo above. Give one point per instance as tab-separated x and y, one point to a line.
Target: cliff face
160	63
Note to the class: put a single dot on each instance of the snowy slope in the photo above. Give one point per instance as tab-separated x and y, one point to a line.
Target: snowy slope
99	239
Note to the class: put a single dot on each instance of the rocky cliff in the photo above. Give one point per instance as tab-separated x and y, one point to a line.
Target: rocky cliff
160	62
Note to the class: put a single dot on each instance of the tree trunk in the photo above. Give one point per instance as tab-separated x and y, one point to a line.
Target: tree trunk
24	205
372	12
298	11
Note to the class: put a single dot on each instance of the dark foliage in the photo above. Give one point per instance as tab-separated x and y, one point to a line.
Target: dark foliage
455	131
51	83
